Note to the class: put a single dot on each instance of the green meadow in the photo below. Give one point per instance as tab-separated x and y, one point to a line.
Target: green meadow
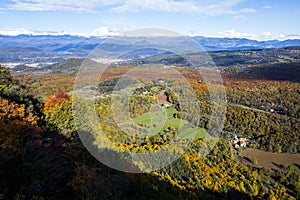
157	121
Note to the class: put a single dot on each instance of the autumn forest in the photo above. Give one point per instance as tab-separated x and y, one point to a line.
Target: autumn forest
254	155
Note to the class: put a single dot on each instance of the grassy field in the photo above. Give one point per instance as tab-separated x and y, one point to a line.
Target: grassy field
157	121
278	161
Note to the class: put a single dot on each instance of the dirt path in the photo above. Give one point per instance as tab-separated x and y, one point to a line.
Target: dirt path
263	111
254	109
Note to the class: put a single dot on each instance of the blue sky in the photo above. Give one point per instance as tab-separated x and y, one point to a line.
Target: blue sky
254	19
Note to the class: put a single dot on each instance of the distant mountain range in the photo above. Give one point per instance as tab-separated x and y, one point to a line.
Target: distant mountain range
217	44
51	48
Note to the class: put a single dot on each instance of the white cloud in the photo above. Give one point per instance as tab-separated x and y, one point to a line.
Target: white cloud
104	31
156	5
270	36
236	34
67	5
205	7
267	7
107	31
212	8
2	10
100	32
260	37
21	31
248	10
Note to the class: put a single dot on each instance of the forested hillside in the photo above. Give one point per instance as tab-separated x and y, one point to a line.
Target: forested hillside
42	156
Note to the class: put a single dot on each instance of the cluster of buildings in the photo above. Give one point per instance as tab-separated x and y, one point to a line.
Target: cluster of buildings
239	142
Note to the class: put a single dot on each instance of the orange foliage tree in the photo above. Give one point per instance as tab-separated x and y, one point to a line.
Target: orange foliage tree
58	113
16	127
52	101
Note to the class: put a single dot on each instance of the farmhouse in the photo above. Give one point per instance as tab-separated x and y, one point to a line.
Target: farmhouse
165	105
239	142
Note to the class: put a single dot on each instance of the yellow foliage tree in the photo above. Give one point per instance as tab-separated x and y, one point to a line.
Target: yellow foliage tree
16	127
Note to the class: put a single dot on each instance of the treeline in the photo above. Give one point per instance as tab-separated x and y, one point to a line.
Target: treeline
115	84
277	97
16	92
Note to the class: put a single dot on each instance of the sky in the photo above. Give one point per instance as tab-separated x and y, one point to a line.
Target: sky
252	19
